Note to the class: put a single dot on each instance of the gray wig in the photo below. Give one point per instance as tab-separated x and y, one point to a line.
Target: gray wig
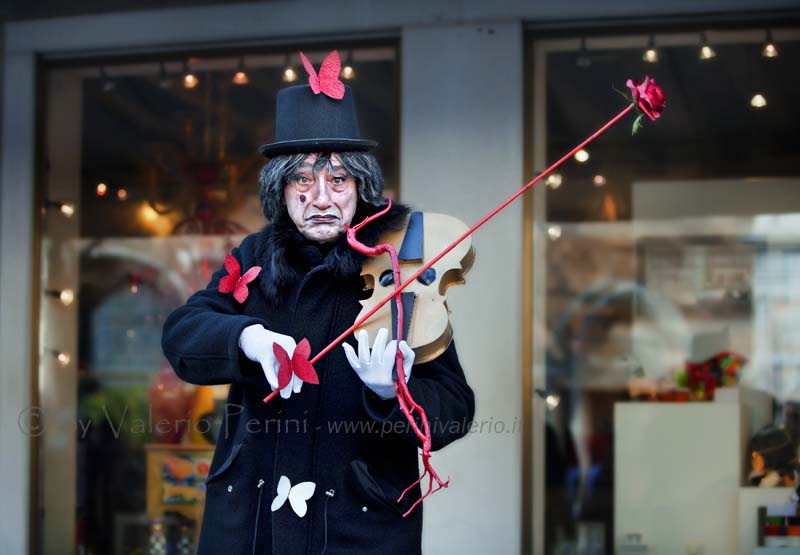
275	174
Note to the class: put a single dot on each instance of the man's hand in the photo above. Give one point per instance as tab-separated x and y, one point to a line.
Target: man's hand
256	342
375	369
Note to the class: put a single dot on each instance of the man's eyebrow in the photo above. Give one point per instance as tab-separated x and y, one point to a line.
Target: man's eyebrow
337	168
304	168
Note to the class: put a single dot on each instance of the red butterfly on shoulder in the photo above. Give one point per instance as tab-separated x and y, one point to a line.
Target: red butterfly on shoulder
235	281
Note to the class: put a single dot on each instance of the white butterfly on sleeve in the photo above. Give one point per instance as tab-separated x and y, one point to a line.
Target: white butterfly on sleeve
297	495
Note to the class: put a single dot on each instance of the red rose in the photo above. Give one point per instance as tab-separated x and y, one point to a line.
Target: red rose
648	96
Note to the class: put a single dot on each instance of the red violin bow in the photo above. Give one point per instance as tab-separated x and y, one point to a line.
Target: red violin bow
467	233
646	97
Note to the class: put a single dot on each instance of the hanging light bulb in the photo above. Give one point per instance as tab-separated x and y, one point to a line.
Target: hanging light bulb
347	71
599	180
66	296
706	52
289	75
101	189
122	194
651	54
190	80
582	156
583	60
770	49
240	77
62	357
554	180
758	101
67	209
550	398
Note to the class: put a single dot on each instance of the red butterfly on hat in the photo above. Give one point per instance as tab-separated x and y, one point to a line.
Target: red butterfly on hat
327	80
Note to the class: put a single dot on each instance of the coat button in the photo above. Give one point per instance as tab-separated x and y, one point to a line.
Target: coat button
363	509
230	488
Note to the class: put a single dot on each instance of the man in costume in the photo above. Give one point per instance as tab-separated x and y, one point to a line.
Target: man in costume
320	468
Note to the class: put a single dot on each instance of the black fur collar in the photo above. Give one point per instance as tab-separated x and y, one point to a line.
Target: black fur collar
286	254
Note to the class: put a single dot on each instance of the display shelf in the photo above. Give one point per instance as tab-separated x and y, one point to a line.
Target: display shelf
679	470
677	473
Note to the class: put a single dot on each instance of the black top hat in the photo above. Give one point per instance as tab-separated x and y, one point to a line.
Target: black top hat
308	122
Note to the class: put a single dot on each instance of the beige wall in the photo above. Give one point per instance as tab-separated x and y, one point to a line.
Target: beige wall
461	154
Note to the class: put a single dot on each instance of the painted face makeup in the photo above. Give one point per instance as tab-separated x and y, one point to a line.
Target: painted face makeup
320	202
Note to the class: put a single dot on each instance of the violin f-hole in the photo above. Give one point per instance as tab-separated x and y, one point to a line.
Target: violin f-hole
386	278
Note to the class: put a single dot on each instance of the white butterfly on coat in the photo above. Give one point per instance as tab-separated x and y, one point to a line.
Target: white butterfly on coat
297	495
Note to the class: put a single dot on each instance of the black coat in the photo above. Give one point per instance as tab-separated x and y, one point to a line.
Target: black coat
336	434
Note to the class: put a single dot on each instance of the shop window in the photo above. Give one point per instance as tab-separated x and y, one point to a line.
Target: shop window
151	177
669	292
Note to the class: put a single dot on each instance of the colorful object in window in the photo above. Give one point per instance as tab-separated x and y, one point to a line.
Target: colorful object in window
721	370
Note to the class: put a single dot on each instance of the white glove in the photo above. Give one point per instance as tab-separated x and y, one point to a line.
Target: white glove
256	342
375	370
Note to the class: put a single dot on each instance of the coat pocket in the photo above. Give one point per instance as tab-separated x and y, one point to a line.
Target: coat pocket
230	507
227	463
376	490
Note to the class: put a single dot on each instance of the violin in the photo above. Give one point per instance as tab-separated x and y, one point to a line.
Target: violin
418	273
426	325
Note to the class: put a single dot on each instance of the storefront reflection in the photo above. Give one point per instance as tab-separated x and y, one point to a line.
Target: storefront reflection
670	310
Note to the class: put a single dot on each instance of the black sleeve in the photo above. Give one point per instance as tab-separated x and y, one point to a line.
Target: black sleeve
201	338
441	388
